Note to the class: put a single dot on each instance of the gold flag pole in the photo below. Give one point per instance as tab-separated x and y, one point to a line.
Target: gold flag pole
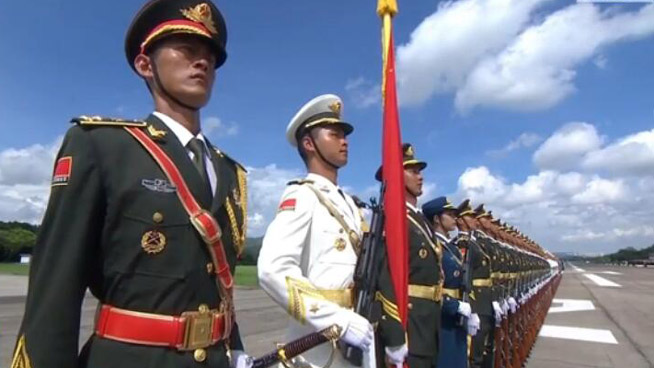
386	9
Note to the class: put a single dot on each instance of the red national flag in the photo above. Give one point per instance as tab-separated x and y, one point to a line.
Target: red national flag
393	176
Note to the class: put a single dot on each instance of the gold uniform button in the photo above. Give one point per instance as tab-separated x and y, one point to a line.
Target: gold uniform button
157	217
210	268
200	355
410	306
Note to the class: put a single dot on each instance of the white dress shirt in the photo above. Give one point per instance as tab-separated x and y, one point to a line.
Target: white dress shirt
185	136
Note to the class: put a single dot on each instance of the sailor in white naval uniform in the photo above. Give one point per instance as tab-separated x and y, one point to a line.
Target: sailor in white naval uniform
309	252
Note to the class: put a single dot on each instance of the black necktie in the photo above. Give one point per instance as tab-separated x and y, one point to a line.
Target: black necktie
197	147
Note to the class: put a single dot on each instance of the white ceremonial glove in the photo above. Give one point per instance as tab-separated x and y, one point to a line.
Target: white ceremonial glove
358	331
396	355
240	359
464	309
505	307
473	324
498	313
513	305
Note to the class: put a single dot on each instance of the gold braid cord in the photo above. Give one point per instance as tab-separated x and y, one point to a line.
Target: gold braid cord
297	291
238	235
21	359
389	307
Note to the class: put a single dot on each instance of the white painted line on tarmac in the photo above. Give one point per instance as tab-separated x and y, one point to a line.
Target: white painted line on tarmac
571	305
578	269
578	333
611	273
601	281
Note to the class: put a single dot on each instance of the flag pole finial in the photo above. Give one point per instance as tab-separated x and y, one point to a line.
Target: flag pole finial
386	7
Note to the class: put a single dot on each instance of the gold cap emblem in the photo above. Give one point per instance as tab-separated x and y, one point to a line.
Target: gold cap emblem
201	13
336	107
153	242
409	151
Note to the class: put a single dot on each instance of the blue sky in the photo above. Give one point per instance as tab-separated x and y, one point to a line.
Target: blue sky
493	71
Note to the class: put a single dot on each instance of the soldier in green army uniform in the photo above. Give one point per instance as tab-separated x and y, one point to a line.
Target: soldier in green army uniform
147	215
425	278
476	245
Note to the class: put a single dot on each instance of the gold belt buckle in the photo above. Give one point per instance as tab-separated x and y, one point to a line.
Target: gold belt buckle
199	329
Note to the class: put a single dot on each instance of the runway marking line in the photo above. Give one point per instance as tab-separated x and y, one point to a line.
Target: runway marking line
571	305
600	281
578	333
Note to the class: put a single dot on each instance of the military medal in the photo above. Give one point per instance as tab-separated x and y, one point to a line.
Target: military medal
339	244
153	242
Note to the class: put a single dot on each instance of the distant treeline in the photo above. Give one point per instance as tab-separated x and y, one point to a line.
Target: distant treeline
623	255
18	238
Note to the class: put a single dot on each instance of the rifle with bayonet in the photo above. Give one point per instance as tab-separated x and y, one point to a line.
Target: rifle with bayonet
366	273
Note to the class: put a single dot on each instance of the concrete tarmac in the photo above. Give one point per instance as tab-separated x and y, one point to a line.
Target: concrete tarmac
623	308
589	325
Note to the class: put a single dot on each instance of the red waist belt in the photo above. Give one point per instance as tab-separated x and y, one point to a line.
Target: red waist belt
190	331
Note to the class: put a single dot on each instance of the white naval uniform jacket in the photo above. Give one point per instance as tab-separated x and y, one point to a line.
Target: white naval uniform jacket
305	249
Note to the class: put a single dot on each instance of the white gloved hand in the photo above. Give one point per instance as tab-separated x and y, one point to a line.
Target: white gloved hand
473	324
464	309
505	307
513	305
358	331
396	355
498	313
240	360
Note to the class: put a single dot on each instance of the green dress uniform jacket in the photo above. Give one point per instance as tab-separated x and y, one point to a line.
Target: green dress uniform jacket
115	225
425	275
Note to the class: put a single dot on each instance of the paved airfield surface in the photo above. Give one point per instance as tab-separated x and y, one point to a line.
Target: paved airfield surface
603	316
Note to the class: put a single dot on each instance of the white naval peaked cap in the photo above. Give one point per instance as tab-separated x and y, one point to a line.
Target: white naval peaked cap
322	110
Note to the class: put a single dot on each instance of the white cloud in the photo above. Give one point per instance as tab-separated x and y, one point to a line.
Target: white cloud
601	62
448	44
25	175
363	93
538	69
600	190
579	197
507	54
29	165
265	187
632	155
525	140
215	127
567	146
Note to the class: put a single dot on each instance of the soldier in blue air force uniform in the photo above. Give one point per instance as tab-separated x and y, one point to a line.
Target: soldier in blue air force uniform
457	320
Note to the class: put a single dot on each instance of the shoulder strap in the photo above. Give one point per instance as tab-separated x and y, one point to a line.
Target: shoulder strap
354	236
103	121
201	219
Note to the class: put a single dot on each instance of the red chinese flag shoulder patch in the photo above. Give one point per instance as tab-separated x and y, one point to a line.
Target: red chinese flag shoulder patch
287	205
62	171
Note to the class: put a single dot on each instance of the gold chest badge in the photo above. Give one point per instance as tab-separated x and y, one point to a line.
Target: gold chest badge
153	242
340	244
